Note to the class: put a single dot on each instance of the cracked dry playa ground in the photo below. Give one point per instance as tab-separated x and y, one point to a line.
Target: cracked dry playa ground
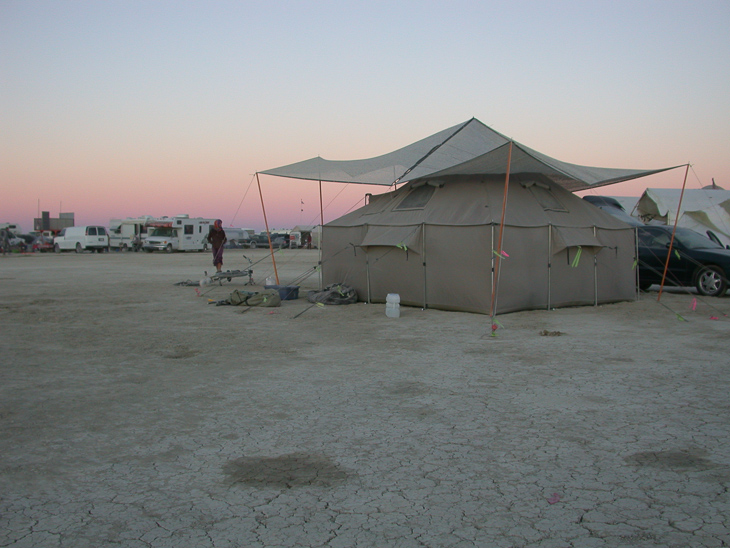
134	414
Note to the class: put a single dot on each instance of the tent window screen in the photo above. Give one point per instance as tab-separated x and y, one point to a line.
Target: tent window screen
546	198
417	198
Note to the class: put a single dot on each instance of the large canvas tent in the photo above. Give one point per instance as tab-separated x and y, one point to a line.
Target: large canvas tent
704	210
440	238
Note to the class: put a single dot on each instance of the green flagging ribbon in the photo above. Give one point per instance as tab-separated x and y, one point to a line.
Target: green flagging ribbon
402	246
576	259
676	253
502	254
636	261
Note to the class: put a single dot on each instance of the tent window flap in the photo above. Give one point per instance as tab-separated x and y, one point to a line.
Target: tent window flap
565	237
408	237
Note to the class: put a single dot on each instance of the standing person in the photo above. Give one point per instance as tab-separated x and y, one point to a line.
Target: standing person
217	238
5	242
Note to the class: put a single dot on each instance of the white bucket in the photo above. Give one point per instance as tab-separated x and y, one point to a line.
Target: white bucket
392	305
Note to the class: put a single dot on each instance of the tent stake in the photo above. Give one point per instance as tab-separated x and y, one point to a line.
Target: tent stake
268	234
674	230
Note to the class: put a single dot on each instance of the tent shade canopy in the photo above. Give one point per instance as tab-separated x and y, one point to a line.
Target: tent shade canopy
470	148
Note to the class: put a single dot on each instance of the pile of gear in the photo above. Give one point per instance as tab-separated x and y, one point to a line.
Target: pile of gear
265	298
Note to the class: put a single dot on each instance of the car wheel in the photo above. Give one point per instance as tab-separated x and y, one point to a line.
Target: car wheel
644	285
169	248
711	281
79	249
125	248
57	248
252	245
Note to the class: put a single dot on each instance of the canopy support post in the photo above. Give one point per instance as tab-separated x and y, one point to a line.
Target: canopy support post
268	234
674	230
423	257
595	272
550	264
497	263
321	234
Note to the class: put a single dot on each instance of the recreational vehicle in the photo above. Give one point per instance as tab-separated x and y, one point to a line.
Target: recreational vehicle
180	233
128	234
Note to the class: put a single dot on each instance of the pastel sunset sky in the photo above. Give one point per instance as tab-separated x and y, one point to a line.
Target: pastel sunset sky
121	108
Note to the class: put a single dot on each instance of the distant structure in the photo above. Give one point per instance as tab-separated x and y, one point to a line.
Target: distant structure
713	186
54	225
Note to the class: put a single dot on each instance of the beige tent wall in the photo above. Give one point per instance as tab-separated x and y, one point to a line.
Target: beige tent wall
523	279
394	270
458	267
570	286
613	283
341	262
455	230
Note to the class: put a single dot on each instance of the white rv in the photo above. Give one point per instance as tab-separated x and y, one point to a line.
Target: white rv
238	237
180	233
128	234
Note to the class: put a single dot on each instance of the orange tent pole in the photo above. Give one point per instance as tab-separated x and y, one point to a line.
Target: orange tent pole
495	280
674	230
321	233
268	234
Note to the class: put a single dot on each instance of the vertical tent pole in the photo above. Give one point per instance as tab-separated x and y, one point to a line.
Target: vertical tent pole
595	272
550	264
497	262
321	233
268	234
491	259
636	261
674	230
423	257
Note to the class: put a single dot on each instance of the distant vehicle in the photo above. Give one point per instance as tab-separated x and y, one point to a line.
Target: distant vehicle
179	233
278	241
82	238
127	234
22	242
42	244
237	236
695	260
613	207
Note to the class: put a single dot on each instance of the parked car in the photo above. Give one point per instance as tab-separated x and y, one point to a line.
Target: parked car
23	242
278	241
43	244
613	207
80	238
695	260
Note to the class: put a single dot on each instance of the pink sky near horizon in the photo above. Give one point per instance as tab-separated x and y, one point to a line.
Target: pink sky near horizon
120	109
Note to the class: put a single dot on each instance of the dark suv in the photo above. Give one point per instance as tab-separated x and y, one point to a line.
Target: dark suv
278	241
695	260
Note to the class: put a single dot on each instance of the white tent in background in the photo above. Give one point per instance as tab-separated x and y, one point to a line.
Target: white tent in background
704	210
438	239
